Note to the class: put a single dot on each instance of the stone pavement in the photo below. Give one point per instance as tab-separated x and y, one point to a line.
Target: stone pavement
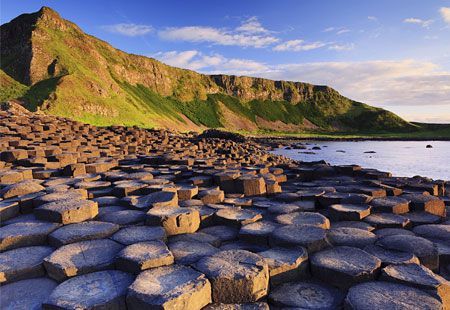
128	218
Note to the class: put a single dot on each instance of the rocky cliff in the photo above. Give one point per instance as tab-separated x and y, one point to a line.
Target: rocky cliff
63	71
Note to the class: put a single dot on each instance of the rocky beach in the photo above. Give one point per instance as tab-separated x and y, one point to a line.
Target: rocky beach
129	218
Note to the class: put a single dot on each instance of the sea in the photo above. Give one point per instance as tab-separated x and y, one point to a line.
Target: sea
401	158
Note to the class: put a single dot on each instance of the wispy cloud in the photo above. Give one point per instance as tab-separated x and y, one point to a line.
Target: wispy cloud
129	29
298	45
214	63
445	13
418	21
249	34
372	18
341	47
342	31
329	29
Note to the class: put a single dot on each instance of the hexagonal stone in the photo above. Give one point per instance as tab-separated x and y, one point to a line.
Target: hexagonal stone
187	192
353	224
123	217
21	188
258	232
189	252
26	294
211	196
386	295
422	218
23	234
172	287
23	263
421	277
351	237
81	231
97	290
251	185
391	204
349	212
158	199
174	220
344	266
8	210
387	220
237	216
67	211
306	295
427	203
144	255
224	233
236	276
424	249
198	237
135	234
304	218
389	257
393	231
310	237
67	195
433	231
244	306
80	258
286	264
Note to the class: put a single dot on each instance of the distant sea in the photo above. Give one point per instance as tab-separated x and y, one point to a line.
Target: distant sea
402	158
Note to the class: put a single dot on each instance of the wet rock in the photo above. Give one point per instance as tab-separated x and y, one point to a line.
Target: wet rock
189	252
81	258
144	255
135	234
67	211
236	276
385	295
81	231
304	218
23	234
344	266
418	276
351	237
349	212
97	290
23	263
390	204
424	249
172	287
310	237
286	264
174	220
26	294
306	295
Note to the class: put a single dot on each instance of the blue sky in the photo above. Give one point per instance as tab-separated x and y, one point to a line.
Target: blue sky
389	53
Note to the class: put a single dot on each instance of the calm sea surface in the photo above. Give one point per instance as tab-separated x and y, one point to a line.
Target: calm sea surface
402	158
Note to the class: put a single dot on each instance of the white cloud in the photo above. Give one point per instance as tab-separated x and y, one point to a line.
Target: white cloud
298	45
131	30
249	33
329	29
252	25
445	13
372	18
214	63
341	47
418	21
342	31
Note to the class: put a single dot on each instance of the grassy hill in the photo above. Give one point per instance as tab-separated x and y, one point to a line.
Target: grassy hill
50	64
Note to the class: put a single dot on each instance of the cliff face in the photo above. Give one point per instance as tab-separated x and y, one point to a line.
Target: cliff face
73	74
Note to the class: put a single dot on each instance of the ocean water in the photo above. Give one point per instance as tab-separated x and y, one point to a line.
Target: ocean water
402	158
